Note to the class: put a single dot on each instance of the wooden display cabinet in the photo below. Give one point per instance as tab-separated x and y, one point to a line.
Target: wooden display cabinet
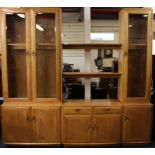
32	82
136	38
31	69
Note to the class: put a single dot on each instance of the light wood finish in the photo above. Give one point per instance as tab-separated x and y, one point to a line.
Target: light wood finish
40	124
34	49
16	125
76	128
127	45
107	128
107	110
86	75
46	124
102	125
77	110
89	46
4	55
137	123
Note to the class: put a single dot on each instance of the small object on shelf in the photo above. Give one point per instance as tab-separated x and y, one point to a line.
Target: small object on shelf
115	65
67	67
108	53
99	61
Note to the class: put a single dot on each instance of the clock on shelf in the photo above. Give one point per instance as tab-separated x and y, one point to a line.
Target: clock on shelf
108	53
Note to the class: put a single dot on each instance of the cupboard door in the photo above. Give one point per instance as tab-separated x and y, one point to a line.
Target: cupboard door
46	35
137	124
46	124
77	128
107	128
16	60
16	125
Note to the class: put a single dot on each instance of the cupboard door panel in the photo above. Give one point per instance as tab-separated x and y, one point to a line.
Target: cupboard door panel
137	122
76	128
107	128
46	124
16	124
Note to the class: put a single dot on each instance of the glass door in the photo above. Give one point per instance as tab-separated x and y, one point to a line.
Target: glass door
45	55
16	55
138	58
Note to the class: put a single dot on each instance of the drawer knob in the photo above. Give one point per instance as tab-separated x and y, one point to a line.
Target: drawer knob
77	110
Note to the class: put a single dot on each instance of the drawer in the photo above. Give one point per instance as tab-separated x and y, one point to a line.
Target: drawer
107	110
77	110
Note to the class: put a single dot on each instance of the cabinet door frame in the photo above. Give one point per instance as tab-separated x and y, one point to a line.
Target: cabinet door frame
57	13
4	54
124	31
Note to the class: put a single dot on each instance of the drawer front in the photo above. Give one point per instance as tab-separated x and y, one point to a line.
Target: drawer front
77	110
107	110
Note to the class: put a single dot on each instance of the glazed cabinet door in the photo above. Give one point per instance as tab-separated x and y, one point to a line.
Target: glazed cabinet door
46	124
16	54
137	45
77	128
107	128
16	125
137	124
45	26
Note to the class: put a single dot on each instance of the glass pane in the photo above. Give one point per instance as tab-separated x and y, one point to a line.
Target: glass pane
136	72
137	55
45	55
15	28
45	28
17	80
16	55
46	70
138	28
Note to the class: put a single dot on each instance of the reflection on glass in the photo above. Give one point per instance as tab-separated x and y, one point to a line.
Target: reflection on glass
45	55
15	28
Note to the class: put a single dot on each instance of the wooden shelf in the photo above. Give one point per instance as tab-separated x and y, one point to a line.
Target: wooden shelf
84	74
137	46
17	46
45	46
89	46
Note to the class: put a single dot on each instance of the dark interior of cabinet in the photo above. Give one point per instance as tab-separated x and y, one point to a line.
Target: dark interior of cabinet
136	73
101	88
17	78
138	28
46	73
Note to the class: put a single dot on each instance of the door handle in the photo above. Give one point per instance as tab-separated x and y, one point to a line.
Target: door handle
28	119
126	118
34	119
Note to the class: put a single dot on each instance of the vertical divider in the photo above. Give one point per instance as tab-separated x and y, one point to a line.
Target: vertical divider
87	30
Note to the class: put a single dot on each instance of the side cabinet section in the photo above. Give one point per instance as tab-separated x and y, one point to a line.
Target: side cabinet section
16	125
137	124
